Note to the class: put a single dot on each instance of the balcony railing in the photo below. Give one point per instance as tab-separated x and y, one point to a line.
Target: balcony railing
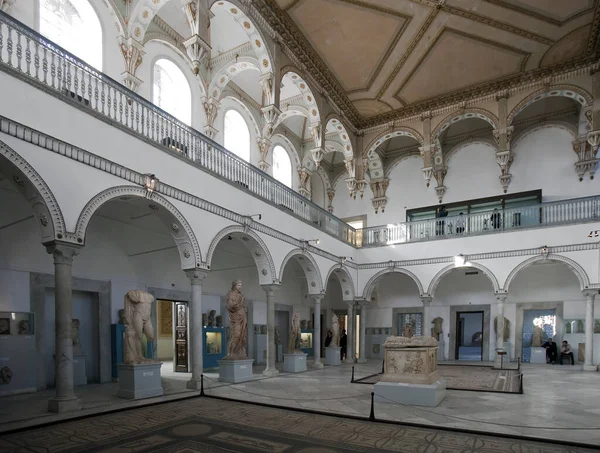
578	210
31	57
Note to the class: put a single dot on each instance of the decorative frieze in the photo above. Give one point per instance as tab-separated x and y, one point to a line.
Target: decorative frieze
133	53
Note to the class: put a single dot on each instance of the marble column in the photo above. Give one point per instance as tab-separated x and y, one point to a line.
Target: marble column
350	333
65	399
362	357
196	340
270	370
501	298
426	316
317	331
588	364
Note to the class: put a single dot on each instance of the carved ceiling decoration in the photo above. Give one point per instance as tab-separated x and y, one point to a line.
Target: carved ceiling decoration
381	61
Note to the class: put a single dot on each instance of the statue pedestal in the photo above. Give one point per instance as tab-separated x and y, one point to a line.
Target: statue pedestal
410	375
234	371
79	372
441	349
538	355
294	363
139	380
279	348
333	356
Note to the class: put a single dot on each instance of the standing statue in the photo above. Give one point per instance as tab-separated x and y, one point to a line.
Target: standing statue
238	323
181	316
536	339
335	329
436	330
138	310
506	333
294	344
75	323
211	316
408	330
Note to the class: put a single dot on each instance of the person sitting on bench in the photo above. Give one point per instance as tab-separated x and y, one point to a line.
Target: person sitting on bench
551	351
565	351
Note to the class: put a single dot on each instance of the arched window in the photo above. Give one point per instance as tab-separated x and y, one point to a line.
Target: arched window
282	166
237	135
171	91
74	26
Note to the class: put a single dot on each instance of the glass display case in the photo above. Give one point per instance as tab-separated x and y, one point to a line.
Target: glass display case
306	341
213	342
16	323
215	346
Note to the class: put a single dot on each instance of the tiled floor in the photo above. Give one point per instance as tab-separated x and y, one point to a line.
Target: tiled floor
560	402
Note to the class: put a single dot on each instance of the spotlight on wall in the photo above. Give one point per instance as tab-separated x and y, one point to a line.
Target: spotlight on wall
255	215
150	183
316	241
544	250
460	260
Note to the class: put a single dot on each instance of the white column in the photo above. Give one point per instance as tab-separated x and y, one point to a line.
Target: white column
350	333
362	358
426	316
501	298
196	340
317	331
588	364
271	370
65	399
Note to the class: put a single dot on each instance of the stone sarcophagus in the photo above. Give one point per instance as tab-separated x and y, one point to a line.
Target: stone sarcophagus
411	360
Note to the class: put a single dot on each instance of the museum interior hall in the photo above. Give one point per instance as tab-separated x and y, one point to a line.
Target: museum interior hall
301	226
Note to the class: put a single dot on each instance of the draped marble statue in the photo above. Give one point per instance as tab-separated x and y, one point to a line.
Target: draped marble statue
335	329
294	343
238	323
137	320
506	333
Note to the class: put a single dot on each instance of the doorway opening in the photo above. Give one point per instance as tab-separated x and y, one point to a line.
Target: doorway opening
469	335
172	336
544	319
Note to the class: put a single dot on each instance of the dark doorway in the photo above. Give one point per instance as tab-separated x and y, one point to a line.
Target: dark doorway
469	335
171	343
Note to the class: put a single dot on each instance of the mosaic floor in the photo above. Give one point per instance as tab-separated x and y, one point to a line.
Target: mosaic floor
207	425
473	378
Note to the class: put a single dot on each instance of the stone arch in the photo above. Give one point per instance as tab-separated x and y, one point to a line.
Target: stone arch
325	177
584	281
576	93
370	286
398	160
374	160
445	271
178	226
314	113
343	135
345	279
310	268
255	245
35	190
229	71
481	141
247	113
570	128
466	114
289	112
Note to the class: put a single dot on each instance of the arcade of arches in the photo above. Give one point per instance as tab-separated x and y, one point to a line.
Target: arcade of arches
446	161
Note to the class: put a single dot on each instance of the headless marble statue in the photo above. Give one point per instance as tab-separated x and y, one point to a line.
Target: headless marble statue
294	345
506	333
436	330
138	309
335	329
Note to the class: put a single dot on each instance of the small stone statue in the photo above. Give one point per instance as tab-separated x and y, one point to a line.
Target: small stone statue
75	323
303	324
24	327
138	309
408	330
122	316
277	336
294	344
211	318
181	317
238	323
506	333
335	329
219	321
436	330
204	319
536	339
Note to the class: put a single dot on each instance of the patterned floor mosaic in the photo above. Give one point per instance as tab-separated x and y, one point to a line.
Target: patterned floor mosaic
473	378
207	425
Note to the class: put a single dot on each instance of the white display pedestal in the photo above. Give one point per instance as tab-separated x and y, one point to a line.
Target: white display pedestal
538	355
140	380
333	356
234	371
412	394
79	372
441	349
279	348
294	363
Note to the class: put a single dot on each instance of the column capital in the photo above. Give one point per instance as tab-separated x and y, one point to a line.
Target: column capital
317	298
196	276
590	293
270	289
350	304
426	299
502	297
63	253
361	301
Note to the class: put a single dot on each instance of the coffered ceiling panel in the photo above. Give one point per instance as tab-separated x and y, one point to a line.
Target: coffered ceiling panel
458	60
553	10
570	46
352	39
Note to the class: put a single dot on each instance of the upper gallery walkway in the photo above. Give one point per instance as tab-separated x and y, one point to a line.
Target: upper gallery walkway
28	56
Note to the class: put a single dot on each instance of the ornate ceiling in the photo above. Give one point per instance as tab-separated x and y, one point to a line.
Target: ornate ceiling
381	60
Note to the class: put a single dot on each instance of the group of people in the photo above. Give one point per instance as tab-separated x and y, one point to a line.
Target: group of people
552	352
460	221
343	341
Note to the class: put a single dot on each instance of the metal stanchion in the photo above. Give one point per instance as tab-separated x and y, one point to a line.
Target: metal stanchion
352	380
372	414
383	366
202	385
